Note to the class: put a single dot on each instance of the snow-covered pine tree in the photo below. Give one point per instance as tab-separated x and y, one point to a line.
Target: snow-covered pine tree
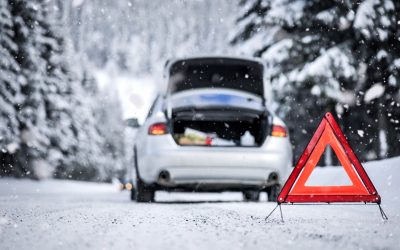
97	150
317	61
376	25
58	89
85	159
9	91
76	141
29	37
139	36
58	121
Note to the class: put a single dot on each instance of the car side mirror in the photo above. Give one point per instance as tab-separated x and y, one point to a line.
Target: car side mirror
132	122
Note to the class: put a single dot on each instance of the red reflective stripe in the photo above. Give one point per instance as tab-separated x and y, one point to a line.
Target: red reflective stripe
333	198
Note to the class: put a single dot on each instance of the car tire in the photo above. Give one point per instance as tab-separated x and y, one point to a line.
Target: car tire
251	195
273	192
144	193
133	194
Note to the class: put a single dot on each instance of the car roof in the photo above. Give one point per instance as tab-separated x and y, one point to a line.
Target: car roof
171	61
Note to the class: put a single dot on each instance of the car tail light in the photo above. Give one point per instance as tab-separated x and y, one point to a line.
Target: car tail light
128	186
278	131
158	129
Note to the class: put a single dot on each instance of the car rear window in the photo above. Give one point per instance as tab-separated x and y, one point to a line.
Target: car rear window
238	74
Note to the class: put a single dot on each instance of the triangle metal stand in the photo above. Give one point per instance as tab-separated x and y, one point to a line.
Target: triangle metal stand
383	214
280	209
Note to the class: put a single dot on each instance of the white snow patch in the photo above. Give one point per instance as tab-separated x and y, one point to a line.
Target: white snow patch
326	16
364	16
316	90
383	144
381	54
396	63
374	92
10	186
81	215
258	41
77	3
383	34
279	51
12	147
3	220
392	80
290	13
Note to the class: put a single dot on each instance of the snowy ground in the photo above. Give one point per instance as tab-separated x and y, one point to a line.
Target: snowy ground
74	215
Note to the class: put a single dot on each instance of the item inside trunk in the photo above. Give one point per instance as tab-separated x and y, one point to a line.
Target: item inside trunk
216	128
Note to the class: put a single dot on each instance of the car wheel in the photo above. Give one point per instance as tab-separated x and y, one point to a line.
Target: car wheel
273	192
144	193
251	195
133	194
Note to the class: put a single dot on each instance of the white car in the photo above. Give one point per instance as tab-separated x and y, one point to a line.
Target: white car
212	131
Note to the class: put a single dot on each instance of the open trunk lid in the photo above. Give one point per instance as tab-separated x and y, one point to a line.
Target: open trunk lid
216	72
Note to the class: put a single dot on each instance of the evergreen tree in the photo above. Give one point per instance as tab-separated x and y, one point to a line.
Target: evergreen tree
85	158
58	91
9	90
63	125
29	37
377	25
324	56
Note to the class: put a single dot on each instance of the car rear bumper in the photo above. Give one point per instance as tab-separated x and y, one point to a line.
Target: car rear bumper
210	186
216	167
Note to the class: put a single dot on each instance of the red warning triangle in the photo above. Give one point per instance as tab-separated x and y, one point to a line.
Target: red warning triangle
295	189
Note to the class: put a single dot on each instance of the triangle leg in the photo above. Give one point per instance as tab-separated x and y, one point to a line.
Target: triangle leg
269	215
384	216
280	209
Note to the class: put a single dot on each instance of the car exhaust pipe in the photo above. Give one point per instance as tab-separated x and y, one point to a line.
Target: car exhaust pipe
273	179
273	176
164	178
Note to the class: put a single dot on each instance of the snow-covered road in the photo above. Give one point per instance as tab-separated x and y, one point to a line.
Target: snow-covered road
74	215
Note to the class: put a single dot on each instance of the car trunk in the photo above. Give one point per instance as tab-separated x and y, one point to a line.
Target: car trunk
217	102
216	127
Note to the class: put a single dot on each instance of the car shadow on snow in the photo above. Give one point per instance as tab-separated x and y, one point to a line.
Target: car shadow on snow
196	202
